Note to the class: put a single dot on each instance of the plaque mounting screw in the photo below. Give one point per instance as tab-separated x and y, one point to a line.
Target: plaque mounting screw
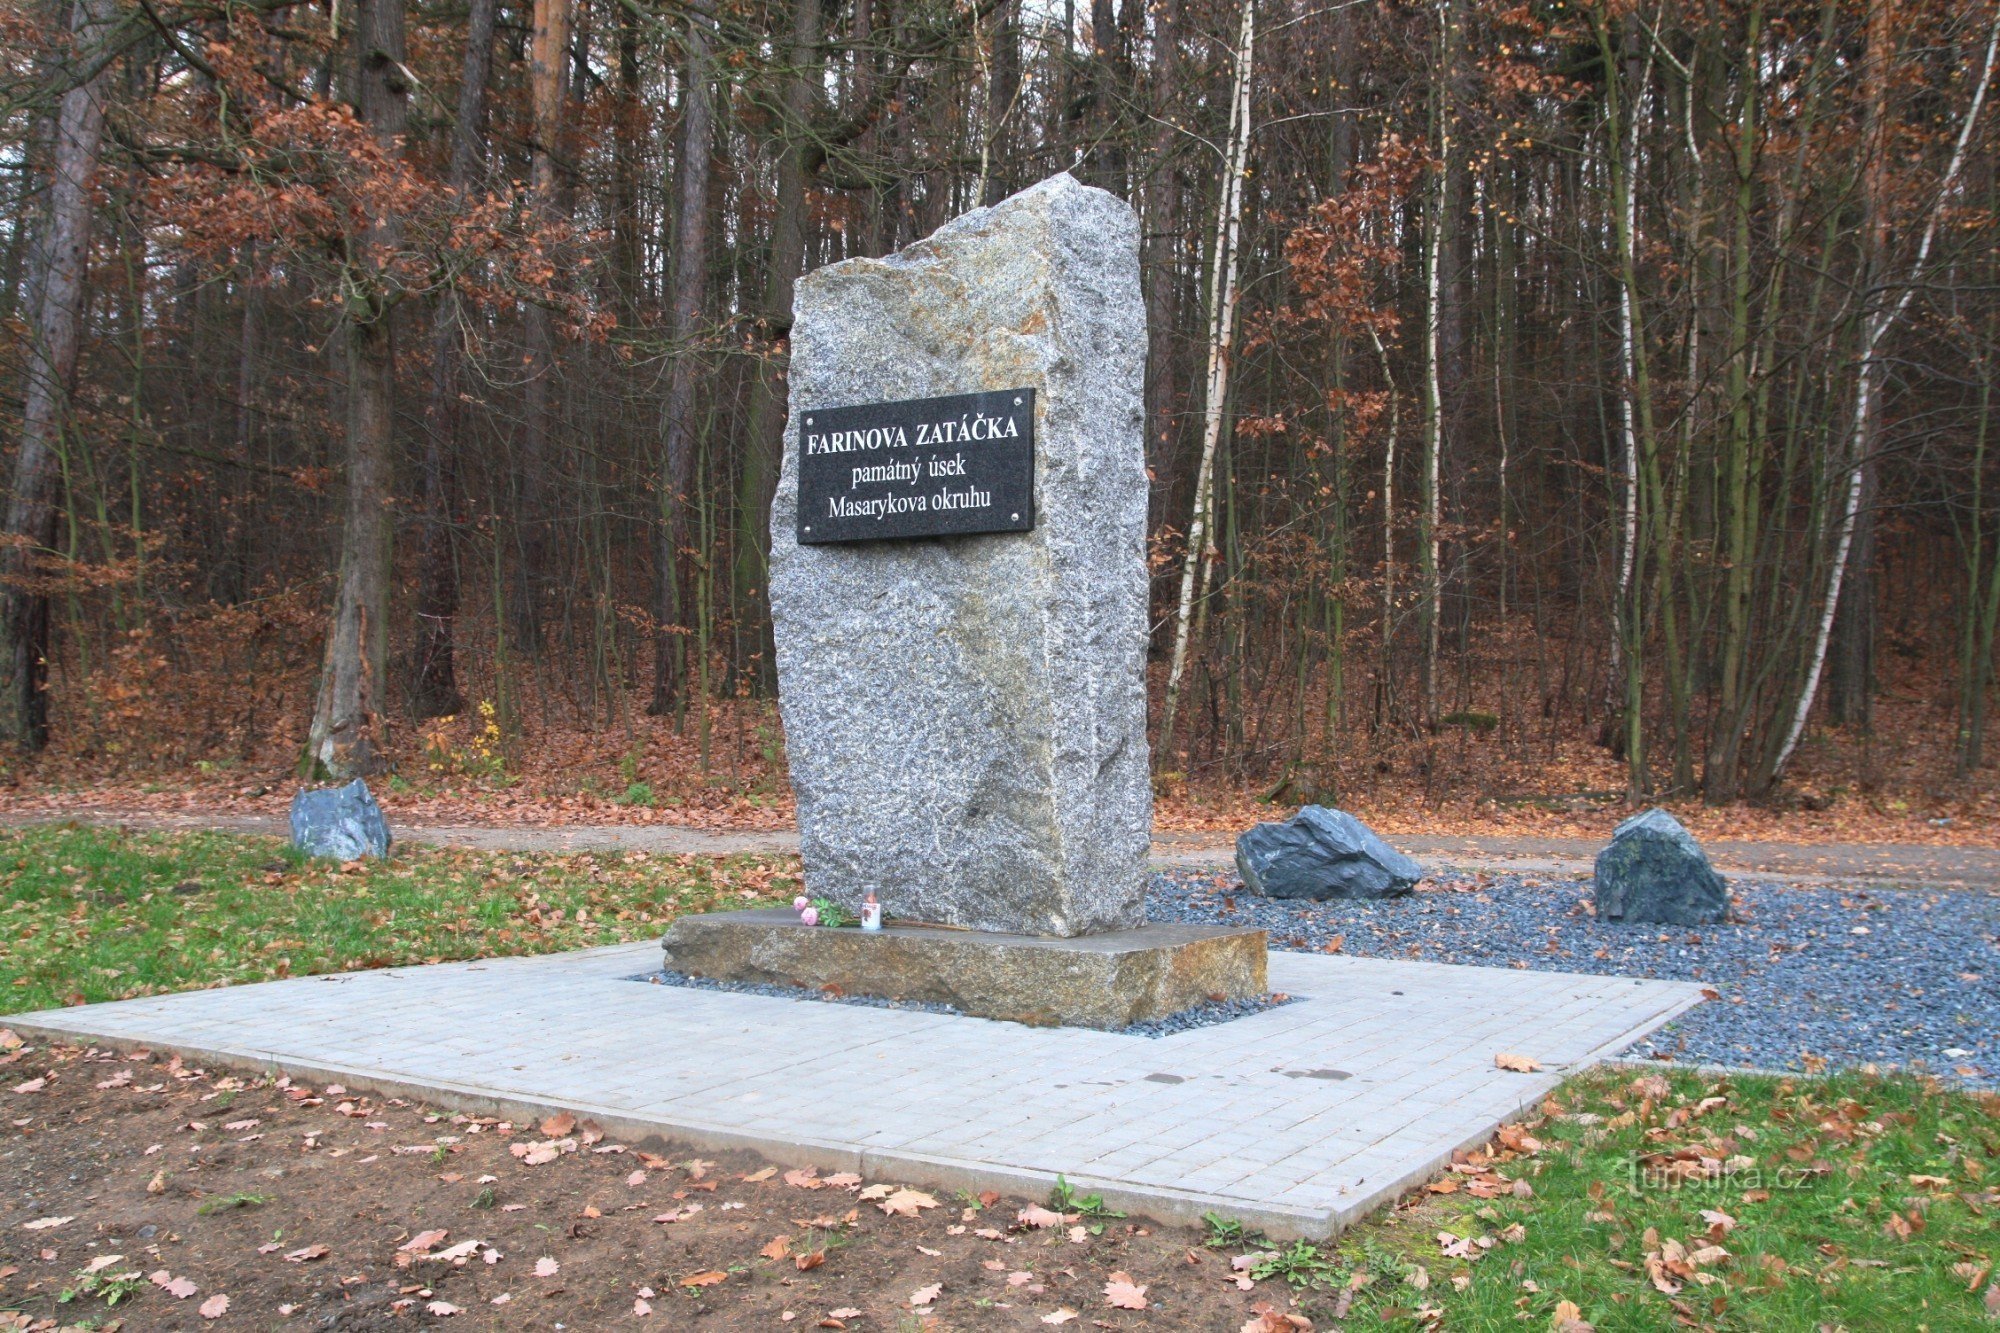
1017	518
809	420
1017	402
809	527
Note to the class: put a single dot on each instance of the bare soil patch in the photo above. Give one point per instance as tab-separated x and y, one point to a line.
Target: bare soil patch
315	1207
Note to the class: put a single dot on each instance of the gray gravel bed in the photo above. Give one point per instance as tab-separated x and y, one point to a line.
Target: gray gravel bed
1902	978
1200	1016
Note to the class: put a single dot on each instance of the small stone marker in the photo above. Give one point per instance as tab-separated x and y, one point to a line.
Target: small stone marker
1654	870
341	822
1320	854
959	603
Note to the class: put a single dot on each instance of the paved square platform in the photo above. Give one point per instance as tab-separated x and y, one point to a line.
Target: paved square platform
1298	1120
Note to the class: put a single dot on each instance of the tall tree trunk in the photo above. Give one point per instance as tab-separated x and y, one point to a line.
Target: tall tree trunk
20	270
628	124
1850	694
1624	113
56	307
1980	618
1109	81
234	571
1876	322
873	199
436	692
786	261
1003	87
1164	254
671	592
1437	223
548	65
1224	259
1392	432
1721	779
1851	688
348	737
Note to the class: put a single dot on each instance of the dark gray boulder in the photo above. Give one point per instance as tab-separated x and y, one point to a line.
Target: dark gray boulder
1320	854
1654	870
341	822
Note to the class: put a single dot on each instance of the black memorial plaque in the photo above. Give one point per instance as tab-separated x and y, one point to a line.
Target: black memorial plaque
928	467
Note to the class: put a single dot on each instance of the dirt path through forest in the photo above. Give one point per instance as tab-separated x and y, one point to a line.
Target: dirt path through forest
1957	867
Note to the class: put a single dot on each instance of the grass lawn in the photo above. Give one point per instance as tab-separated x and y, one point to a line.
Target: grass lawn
1632	1199
1647	1199
90	913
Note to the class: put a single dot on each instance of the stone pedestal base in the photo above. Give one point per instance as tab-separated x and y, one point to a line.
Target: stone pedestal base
1098	981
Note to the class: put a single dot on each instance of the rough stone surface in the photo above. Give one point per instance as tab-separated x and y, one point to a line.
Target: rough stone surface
1109	980
1654	870
965	717
1320	854
341	822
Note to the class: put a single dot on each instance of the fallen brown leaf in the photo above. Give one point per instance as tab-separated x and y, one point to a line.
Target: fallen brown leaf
177	1287
1569	1318
1122	1293
1034	1215
906	1203
1270	1319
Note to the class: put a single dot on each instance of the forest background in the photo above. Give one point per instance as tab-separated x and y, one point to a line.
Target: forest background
1549	405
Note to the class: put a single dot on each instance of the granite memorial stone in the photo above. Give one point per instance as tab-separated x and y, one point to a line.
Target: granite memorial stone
965	718
1320	854
1654	870
341	822
959	599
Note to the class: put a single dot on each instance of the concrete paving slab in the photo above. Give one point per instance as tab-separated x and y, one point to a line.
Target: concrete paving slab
1299	1119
